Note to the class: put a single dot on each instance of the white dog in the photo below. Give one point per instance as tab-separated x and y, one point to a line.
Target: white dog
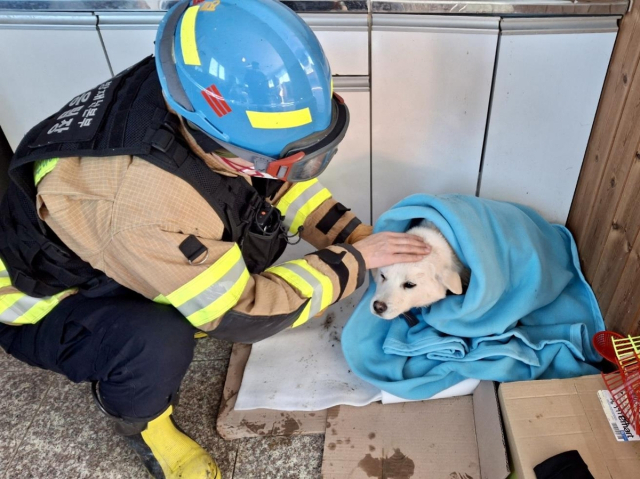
401	287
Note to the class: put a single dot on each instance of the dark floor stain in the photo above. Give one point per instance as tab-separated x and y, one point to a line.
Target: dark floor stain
253	427
224	400
372	448
459	475
332	446
339	441
372	435
334	336
371	466
312	414
331	317
334	432
328	425
398	466
290	426
539	416
347	440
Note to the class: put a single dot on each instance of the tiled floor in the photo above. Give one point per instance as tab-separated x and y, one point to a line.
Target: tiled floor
50	428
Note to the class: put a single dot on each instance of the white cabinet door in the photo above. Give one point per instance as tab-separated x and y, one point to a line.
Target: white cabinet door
45	60
128	38
344	39
431	82
548	82
348	177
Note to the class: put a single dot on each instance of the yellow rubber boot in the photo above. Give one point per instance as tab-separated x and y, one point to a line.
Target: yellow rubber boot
168	453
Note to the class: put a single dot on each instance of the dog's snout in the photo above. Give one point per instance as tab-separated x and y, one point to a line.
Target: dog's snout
379	307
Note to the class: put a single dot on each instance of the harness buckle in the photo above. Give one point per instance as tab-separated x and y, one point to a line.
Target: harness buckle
55	252
25	284
162	140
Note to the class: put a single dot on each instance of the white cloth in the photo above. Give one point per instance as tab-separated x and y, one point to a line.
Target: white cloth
303	369
463	388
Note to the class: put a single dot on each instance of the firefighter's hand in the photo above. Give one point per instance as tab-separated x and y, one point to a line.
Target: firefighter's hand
385	249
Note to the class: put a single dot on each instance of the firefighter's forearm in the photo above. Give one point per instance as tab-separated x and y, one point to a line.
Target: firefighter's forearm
290	294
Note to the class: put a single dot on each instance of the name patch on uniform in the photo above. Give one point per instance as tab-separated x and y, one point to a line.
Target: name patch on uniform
79	120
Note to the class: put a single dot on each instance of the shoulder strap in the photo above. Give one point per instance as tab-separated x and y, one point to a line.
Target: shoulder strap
92	124
233	199
134	120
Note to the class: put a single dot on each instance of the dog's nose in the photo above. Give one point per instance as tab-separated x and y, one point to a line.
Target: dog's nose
379	307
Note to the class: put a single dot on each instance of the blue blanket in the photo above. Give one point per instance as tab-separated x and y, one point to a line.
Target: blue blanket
528	312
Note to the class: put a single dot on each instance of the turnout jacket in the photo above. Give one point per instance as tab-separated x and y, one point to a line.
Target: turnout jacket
145	227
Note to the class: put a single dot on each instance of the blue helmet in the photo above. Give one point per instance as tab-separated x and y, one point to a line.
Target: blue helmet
252	76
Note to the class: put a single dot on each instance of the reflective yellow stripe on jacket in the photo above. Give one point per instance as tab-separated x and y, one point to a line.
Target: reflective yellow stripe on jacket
300	201
19	308
213	292
310	282
42	168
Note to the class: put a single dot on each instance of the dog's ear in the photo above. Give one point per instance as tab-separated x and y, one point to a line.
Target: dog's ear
451	280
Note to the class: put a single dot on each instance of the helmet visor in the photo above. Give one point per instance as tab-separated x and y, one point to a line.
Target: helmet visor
307	168
305	159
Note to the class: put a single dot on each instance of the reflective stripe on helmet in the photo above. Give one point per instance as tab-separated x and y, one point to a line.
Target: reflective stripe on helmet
277	120
310	282
213	292
261	57
300	201
188	37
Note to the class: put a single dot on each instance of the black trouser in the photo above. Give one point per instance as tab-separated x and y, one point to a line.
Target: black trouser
137	350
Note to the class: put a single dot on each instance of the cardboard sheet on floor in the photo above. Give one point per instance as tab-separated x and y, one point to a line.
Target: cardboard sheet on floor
304	369
455	438
545	418
232	424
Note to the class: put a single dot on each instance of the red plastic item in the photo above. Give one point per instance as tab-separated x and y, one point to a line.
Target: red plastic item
624	384
603	343
624	393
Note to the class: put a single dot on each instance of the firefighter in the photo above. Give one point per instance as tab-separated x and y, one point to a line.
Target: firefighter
153	208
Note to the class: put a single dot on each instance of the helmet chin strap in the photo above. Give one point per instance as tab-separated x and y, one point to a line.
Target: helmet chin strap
209	145
203	140
245	169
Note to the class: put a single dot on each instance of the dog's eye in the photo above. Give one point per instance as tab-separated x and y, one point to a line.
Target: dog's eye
408	285
382	276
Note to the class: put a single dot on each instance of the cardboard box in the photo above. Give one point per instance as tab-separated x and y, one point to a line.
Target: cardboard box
232	424
545	418
455	438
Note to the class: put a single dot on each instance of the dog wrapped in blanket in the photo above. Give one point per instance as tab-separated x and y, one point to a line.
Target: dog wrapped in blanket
401	287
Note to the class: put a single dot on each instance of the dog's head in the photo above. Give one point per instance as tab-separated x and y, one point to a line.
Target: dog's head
401	287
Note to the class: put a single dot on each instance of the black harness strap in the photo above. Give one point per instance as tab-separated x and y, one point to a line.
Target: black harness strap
126	115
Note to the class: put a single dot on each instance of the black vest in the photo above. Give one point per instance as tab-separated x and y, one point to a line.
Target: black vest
126	115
